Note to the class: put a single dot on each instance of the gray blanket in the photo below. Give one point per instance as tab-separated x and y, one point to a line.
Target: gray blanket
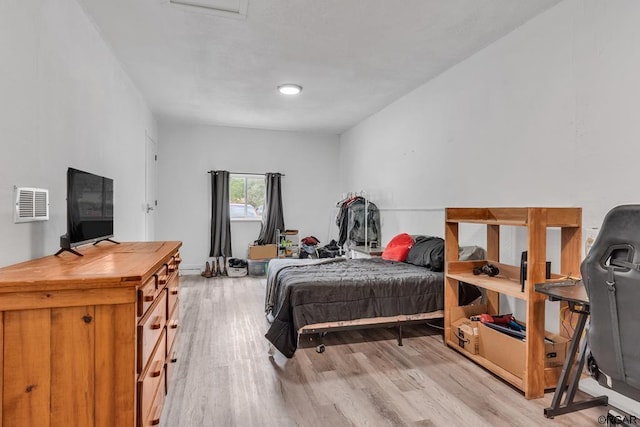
276	265
348	290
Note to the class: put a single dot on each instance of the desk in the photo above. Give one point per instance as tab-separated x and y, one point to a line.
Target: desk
576	297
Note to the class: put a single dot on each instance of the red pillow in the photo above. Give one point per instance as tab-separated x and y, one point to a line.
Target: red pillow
398	248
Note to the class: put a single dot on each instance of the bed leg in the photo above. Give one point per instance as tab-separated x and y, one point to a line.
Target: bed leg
400	335
320	347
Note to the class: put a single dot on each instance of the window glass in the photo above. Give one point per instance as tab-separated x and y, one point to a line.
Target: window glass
246	196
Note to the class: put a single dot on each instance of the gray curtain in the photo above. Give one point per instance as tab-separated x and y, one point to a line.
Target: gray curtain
272	217
220	216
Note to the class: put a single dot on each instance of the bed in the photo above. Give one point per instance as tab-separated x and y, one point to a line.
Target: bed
318	295
340	290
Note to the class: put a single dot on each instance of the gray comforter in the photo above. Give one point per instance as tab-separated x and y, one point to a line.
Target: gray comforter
346	290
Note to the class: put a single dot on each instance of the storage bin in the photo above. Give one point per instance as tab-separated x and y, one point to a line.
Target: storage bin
258	267
236	271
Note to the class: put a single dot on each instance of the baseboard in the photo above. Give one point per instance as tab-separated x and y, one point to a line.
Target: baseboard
193	269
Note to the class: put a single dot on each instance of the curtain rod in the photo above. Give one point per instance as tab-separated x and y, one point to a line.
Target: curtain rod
248	173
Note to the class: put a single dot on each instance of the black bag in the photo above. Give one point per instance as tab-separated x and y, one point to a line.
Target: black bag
237	263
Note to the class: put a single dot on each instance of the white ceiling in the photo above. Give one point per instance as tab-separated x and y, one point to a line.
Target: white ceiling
353	57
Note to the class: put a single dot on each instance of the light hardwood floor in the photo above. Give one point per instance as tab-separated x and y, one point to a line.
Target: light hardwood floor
225	376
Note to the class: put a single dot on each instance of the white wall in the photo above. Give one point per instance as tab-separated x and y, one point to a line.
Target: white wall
65	101
548	116
187	152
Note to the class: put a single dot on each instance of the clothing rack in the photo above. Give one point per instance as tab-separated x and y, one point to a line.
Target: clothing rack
350	195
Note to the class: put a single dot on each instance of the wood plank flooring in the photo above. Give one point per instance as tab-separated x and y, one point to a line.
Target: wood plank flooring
225	377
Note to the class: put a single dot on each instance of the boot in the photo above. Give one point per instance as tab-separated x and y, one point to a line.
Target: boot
214	267
223	267
207	271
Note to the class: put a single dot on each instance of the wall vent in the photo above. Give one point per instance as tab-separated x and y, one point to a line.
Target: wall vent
32	204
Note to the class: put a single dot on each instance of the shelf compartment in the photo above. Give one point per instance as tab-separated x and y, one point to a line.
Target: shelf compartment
489	365
507	282
551	374
496	284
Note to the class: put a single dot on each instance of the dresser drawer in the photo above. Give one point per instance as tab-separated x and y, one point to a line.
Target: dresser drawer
172	359
150	328
163	276
152	378
173	289
155	405
173	326
172	265
147	294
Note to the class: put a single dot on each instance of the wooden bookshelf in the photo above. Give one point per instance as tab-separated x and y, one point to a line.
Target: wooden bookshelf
536	377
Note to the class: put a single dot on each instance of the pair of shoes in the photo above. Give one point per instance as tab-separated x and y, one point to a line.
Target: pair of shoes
208	273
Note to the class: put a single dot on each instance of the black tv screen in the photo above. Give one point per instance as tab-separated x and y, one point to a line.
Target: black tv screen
89	207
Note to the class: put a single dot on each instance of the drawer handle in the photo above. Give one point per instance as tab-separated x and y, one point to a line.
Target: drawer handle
178	260
156	369
157	411
171	268
174	357
174	291
157	322
149	297
174	324
162	280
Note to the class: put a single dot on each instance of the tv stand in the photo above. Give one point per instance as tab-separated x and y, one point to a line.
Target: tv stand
68	250
65	246
105	240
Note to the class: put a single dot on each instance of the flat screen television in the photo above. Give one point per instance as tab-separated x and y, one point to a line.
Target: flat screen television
89	209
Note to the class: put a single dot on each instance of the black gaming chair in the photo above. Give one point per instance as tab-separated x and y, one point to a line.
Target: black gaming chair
611	274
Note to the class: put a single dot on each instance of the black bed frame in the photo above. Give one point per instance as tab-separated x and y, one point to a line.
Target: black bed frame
322	331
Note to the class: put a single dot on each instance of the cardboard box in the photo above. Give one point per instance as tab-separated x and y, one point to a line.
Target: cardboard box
509	352
464	332
263	251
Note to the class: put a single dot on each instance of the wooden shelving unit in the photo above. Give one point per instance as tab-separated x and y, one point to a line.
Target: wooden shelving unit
536	377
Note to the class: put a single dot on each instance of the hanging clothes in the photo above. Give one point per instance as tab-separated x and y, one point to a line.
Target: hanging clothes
358	222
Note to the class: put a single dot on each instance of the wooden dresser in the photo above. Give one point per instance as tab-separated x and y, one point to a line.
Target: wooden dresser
89	341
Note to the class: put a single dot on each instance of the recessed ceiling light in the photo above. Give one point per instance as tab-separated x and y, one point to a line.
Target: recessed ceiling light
290	89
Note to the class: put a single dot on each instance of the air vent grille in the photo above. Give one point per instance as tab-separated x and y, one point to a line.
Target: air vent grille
32	204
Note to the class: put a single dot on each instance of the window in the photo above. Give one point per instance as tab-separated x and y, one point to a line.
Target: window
246	196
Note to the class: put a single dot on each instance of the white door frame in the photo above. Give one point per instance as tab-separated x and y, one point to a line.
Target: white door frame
150	186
